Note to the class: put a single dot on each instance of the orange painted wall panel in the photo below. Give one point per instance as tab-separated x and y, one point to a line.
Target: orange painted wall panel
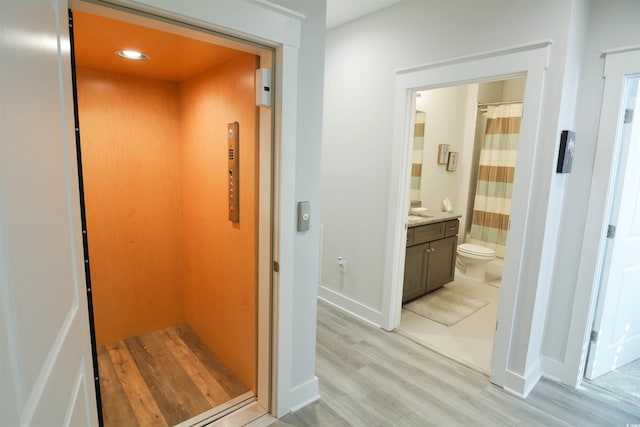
221	256
130	153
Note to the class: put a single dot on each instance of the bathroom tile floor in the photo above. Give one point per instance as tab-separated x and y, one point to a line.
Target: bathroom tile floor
469	341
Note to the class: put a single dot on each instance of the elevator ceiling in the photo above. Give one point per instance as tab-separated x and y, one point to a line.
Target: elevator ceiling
172	57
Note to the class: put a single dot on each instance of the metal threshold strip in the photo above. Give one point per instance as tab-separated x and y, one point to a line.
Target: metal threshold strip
239	411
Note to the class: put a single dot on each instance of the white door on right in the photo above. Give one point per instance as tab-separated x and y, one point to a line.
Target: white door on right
616	337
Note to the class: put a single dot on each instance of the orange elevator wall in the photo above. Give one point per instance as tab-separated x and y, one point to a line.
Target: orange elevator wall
221	256
130	153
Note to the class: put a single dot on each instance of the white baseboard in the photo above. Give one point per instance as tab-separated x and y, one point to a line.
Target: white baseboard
350	306
521	385
552	369
305	394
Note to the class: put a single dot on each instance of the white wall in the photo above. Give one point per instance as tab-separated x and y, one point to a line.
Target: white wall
513	89
361	60
612	24
307	187
445	123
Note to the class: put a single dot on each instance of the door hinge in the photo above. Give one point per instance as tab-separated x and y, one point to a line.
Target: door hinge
628	115
594	336
496	325
276	266
611	231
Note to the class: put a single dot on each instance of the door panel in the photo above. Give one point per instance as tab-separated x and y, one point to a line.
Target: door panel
617	323
45	341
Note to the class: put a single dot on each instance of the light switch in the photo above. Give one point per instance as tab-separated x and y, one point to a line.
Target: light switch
303	216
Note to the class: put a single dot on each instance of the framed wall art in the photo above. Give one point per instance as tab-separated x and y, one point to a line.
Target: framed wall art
443	154
452	161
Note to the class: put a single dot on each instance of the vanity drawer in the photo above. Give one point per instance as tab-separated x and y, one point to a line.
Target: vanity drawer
429	232
451	228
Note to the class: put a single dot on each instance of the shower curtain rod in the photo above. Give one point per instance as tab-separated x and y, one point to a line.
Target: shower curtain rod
486	104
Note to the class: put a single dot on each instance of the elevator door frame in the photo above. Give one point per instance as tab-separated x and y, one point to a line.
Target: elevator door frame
268	224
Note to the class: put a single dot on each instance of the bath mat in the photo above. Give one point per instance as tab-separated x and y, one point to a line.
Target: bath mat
445	306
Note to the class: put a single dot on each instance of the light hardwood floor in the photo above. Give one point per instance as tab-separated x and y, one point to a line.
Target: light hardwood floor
162	378
369	377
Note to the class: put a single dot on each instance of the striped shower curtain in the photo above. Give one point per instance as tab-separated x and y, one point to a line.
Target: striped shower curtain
492	205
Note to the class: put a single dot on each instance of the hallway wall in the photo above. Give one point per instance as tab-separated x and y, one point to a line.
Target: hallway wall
130	143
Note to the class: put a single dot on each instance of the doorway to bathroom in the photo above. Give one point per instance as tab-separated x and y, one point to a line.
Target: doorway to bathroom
475	125
172	159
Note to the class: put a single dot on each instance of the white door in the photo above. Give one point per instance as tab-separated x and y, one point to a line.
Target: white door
616	336
46	374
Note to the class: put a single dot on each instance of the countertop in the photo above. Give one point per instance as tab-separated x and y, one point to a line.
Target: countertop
415	221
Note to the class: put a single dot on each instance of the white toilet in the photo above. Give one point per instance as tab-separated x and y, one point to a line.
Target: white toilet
472	260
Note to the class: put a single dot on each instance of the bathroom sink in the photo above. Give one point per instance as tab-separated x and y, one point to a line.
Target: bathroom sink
415	218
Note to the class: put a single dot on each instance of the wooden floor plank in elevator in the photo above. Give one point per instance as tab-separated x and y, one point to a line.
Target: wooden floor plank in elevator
116	409
158	367
231	383
162	378
195	368
144	406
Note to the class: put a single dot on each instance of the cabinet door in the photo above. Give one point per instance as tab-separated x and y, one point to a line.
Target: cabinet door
441	262
414	272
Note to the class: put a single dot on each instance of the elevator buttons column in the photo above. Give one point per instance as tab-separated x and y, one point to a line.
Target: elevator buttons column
234	175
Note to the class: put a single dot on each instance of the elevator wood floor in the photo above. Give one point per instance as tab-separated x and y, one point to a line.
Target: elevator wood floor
162	378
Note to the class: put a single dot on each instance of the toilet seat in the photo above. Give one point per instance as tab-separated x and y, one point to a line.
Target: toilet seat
476	250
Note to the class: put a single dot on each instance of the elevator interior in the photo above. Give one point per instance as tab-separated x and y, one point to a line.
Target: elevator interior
167	265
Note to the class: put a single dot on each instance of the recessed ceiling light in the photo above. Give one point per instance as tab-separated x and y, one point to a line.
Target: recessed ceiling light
132	54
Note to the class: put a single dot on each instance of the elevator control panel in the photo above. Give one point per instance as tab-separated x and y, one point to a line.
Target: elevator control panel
233	171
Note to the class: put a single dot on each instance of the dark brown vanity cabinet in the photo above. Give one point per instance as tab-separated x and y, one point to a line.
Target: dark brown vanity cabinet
430	258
